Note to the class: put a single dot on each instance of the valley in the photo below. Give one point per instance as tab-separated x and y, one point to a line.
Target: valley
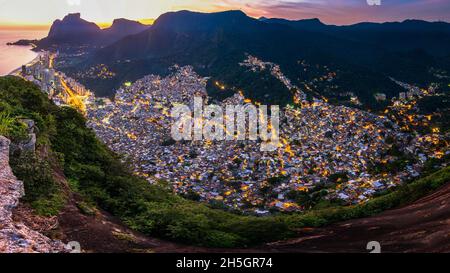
363	142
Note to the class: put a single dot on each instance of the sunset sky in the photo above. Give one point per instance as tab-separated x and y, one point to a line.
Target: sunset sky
43	12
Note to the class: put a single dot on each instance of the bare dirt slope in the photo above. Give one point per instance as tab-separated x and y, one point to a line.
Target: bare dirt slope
423	226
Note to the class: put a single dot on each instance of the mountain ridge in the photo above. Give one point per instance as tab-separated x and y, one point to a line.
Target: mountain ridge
224	38
215	43
72	30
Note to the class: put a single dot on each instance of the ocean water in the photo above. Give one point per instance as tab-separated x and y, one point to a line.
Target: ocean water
12	57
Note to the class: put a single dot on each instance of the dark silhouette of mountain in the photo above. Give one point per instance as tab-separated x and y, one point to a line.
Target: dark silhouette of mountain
23	42
180	32
433	37
309	24
364	56
73	31
214	44
196	37
120	29
407	25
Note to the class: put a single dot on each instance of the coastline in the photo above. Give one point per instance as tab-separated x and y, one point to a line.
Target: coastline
12	57
16	71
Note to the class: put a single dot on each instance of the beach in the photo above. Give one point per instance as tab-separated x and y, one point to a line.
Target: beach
13	57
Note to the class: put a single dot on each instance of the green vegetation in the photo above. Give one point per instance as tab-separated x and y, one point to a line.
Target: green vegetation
5	123
99	176
11	127
42	191
359	59
19	99
403	195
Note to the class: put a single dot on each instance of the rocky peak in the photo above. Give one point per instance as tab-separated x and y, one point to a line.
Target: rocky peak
187	20
72	16
122	21
124	27
72	28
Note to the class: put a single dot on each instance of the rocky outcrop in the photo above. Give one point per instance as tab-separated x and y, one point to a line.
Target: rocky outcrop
28	145
16	237
73	30
120	29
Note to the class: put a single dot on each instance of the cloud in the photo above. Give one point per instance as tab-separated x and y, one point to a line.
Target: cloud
344	12
329	11
73	2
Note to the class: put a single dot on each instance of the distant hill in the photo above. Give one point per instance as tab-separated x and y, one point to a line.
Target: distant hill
72	30
120	29
309	24
409	34
363	56
214	44
23	42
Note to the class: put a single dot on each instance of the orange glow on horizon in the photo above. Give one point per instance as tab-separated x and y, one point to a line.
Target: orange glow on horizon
24	27
146	21
46	27
142	21
43	12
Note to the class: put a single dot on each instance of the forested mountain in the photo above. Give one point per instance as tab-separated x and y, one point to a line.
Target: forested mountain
362	58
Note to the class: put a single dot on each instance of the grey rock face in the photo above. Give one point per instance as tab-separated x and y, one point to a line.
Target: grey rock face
28	145
16	237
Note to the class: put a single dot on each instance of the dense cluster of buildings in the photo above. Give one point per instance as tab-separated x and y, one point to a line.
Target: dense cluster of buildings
333	148
40	72
100	71
321	144
429	142
60	88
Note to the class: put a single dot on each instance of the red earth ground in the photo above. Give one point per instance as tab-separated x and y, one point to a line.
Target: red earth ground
423	226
